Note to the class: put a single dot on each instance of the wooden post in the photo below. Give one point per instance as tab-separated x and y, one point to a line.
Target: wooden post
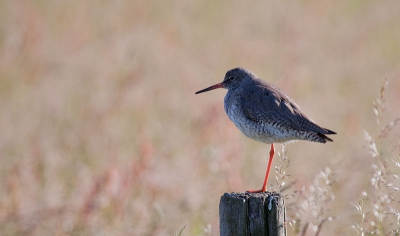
252	214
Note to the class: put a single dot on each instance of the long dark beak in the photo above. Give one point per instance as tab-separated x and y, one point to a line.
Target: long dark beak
220	85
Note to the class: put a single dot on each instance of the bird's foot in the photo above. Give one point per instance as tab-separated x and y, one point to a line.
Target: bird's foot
257	191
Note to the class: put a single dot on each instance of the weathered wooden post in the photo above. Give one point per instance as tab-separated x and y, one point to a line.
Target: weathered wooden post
252	214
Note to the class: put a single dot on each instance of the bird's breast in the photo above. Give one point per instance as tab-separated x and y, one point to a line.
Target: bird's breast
266	132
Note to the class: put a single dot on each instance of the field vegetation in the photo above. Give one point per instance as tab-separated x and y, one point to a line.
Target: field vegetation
101	133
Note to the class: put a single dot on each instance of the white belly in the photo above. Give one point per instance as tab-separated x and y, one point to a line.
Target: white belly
263	132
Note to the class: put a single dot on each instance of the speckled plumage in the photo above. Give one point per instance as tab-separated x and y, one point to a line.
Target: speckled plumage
264	113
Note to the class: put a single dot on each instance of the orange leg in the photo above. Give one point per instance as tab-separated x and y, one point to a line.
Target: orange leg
264	187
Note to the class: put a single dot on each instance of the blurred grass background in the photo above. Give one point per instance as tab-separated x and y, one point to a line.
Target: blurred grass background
101	133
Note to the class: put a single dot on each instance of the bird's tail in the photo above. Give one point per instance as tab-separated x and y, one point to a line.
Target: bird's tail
324	137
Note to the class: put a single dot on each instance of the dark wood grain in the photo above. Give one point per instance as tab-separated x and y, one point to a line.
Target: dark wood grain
252	214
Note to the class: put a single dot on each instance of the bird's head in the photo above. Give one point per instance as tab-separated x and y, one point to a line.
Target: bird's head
233	78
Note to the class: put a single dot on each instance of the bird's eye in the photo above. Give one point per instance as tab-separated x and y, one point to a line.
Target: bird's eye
231	77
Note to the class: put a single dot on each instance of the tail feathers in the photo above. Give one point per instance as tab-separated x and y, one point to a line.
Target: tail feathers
330	131
324	137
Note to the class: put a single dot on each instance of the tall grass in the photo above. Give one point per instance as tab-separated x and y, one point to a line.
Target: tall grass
379	205
101	133
307	208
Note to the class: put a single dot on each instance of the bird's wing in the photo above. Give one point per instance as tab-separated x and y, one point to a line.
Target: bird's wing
267	103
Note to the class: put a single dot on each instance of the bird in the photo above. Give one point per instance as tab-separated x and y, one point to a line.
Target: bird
263	112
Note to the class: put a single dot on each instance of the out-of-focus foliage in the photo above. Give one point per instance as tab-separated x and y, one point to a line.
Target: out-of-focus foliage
100	130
